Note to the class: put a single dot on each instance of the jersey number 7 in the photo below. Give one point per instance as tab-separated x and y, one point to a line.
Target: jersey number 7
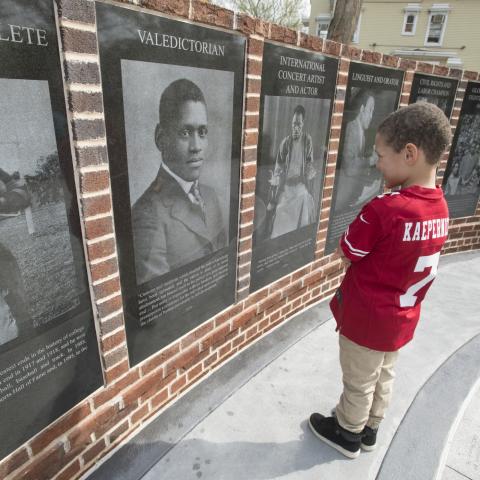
408	299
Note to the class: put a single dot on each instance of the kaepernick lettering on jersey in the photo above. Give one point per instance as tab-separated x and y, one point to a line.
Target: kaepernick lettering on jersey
425	230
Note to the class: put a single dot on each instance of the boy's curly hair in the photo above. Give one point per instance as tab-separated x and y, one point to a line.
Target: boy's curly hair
422	124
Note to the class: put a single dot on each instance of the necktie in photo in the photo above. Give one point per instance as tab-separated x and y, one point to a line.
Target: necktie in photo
197	198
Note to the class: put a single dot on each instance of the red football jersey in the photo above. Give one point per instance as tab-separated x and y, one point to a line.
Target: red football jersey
394	245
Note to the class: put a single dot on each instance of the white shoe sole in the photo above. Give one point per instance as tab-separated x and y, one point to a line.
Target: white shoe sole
340	449
368	448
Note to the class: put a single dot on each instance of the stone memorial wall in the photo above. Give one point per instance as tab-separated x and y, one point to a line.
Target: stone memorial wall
166	313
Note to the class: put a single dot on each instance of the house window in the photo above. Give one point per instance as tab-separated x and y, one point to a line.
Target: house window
410	18
322	29
323	22
437	22
409	24
435	28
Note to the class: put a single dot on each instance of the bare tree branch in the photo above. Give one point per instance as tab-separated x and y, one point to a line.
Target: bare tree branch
282	12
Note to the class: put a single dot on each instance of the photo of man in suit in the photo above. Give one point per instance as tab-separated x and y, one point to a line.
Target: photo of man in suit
178	219
290	202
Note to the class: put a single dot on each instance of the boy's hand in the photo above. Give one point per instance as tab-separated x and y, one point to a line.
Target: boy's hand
339	252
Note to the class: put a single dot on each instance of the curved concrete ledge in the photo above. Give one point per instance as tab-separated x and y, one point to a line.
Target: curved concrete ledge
422	438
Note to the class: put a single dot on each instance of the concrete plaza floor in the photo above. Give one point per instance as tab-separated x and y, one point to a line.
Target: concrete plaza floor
248	420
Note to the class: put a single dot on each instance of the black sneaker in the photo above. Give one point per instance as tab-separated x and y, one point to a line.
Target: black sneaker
369	436
328	430
369	439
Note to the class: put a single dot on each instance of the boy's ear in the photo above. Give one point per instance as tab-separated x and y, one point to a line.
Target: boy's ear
411	153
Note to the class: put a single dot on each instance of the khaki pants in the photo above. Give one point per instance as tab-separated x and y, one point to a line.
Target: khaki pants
367	385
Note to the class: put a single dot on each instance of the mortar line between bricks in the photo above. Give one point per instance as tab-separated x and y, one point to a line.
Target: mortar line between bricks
98	193
105	279
103	259
108	297
76	25
99	216
81	57
111	368
85	87
121	328
102	167
111	315
29	451
242	225
93	241
97	142
88	115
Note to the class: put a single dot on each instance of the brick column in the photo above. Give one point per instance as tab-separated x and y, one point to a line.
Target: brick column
84	93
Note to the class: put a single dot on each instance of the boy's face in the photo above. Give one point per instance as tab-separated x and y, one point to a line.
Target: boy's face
390	163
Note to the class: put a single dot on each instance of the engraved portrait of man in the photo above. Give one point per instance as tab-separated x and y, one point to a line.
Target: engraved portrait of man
178	218
290	202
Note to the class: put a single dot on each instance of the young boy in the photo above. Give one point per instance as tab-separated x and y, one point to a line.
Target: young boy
392	249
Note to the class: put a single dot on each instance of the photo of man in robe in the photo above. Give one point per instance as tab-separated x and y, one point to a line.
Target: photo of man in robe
290	202
178	219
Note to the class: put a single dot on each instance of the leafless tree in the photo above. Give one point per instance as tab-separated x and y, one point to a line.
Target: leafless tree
344	21
282	12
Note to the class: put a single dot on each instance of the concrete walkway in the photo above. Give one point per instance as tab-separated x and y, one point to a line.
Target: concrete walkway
248	420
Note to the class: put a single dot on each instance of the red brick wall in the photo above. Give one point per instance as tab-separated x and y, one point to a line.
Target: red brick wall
131	396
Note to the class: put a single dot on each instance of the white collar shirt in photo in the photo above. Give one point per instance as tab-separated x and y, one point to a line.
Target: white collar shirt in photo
184	184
